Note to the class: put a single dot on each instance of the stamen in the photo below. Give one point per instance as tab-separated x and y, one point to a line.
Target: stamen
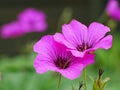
66	64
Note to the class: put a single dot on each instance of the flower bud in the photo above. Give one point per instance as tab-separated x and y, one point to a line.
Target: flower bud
99	84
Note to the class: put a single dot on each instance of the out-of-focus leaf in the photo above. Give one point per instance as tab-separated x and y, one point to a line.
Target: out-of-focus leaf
65	17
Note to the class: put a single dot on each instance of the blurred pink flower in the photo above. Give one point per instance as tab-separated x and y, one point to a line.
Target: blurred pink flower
113	9
33	20
80	39
11	30
53	56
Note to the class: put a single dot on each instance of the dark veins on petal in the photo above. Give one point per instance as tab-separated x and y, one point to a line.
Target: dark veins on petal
62	63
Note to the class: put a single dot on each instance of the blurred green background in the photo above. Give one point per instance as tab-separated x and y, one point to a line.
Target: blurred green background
17	56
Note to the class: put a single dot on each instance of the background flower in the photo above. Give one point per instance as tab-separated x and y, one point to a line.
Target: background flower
113	9
12	30
53	56
33	20
80	39
30	20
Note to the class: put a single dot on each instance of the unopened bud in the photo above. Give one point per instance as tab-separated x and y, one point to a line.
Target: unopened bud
100	73
100	84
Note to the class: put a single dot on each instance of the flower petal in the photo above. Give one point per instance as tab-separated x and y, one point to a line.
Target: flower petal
77	53
96	32
44	45
105	43
73	71
75	32
88	59
42	64
49	48
79	29
60	38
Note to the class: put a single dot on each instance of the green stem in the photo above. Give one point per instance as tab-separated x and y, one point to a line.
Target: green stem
59	82
84	75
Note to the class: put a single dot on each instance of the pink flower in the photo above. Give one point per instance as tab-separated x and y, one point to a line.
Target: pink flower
12	30
80	39
33	20
30	20
54	56
113	9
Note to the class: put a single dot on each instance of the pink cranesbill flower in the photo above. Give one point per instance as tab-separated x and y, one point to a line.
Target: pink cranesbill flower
81	39
113	9
54	56
33	20
12	30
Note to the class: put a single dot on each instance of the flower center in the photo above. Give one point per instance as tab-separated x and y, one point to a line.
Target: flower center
62	63
83	47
